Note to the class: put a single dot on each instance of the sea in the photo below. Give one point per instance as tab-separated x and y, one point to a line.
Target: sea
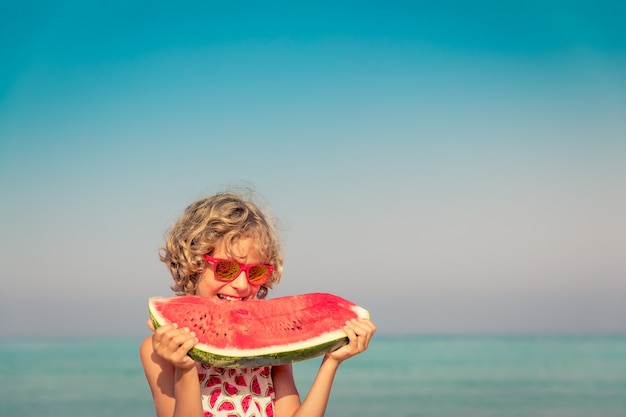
398	376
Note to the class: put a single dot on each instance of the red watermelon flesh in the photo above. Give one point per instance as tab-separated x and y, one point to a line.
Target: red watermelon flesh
259	332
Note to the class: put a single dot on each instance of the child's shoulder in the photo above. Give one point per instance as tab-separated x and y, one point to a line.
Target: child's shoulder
145	347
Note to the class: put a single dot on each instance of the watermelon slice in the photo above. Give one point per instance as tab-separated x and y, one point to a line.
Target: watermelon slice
254	333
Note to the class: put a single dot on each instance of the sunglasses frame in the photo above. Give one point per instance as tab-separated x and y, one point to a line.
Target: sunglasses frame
242	267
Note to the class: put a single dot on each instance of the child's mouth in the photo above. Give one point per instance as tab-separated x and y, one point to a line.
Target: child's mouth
229	298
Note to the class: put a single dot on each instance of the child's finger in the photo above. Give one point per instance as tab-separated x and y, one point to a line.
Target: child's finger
179	348
360	332
183	349
181	338
361	327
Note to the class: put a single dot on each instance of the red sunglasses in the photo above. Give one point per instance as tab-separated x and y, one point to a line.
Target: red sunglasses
227	270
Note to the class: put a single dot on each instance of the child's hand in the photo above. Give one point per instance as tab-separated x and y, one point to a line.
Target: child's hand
359	333
172	344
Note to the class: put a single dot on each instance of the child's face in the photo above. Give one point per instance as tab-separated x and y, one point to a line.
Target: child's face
243	251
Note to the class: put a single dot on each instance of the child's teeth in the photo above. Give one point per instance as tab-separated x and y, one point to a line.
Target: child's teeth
225	297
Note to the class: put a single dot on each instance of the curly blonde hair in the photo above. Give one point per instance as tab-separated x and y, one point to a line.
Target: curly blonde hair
220	219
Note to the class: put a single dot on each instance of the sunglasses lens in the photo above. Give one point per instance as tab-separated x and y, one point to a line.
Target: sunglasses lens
226	270
258	274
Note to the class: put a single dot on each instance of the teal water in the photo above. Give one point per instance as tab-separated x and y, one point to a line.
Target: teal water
397	376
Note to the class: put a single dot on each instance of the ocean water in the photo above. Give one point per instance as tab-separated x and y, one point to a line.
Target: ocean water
398	376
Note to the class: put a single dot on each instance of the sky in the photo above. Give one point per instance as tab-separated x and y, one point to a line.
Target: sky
454	167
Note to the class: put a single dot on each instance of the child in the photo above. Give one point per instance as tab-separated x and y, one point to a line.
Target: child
229	227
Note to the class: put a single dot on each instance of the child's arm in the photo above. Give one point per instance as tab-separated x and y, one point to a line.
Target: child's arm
314	405
171	374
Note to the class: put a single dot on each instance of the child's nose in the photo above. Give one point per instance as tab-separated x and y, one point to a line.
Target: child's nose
241	282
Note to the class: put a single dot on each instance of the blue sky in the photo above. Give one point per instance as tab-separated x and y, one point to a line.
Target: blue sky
457	167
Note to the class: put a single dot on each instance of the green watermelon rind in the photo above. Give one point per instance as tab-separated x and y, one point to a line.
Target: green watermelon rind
269	359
